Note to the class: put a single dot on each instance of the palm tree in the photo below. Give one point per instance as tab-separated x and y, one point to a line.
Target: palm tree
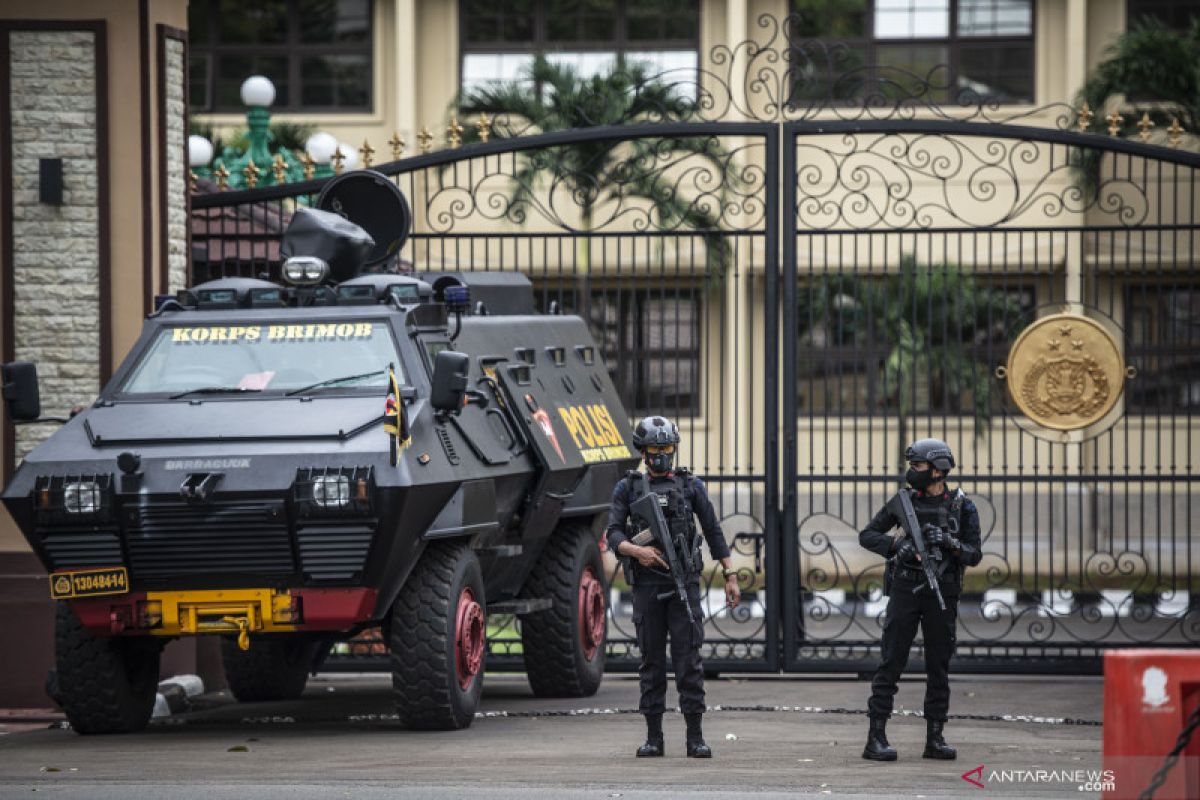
606	173
1157	72
931	321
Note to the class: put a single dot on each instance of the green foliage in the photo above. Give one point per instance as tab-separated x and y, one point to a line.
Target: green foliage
558	98
1157	71
929	319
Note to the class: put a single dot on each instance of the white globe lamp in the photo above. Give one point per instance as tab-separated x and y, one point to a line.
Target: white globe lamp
320	147
257	90
200	151
349	155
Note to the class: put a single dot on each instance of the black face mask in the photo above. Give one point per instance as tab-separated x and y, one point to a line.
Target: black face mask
919	480
659	462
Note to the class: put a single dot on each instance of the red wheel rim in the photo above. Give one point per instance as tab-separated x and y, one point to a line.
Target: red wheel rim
468	638
592	612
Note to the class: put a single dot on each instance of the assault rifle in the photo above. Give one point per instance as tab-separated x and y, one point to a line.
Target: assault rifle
901	506
648	511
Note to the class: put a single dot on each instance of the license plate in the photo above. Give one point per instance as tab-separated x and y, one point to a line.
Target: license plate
89	583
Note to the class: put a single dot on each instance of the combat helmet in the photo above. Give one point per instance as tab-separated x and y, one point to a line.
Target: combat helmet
655	430
935	451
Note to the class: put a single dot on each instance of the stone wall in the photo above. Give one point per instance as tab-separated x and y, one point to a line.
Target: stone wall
56	266
176	199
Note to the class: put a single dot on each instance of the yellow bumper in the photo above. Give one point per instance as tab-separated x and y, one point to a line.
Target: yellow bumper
240	611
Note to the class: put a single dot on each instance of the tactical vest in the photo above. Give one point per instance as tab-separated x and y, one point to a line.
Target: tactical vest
948	517
677	509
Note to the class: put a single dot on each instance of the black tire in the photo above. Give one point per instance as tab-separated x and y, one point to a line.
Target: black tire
427	681
557	658
106	684
272	669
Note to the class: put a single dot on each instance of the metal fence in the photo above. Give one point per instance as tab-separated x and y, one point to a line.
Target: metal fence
806	290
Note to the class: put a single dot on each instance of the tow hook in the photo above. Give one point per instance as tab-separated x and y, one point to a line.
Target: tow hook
243	624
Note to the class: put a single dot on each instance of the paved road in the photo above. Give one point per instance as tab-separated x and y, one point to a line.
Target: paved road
802	740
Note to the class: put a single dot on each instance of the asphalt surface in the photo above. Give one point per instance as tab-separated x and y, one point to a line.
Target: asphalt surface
794	738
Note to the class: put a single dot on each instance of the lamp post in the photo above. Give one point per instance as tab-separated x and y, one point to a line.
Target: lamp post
258	93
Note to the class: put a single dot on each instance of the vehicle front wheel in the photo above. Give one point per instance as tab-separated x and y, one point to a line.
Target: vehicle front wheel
106	684
438	640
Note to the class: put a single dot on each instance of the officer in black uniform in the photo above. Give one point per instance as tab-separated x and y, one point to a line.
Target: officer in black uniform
657	607
949	523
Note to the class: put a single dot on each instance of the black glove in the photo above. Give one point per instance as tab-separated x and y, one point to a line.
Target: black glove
934	536
937	537
906	552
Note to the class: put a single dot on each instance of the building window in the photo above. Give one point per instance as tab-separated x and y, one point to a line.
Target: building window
1176	14
318	53
976	50
500	38
1162	339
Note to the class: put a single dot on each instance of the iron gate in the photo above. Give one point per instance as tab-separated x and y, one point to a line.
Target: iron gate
807	289
915	251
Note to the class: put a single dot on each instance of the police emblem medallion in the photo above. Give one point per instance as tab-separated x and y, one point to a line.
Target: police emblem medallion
1065	372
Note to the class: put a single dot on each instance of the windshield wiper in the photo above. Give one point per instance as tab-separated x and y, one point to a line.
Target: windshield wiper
333	381
213	390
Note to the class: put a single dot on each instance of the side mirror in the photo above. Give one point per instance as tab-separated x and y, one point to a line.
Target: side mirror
449	381
20	390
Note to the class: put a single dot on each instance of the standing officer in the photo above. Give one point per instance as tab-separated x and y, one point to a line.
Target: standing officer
657	607
950	526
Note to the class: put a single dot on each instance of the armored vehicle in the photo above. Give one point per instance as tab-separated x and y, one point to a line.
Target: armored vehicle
284	465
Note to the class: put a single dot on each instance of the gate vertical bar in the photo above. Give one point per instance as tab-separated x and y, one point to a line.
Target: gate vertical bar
790	566
771	467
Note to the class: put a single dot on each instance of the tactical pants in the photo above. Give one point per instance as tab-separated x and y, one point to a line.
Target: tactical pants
905	612
654	618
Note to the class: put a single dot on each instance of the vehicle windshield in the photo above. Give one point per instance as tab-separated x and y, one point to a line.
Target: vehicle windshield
270	360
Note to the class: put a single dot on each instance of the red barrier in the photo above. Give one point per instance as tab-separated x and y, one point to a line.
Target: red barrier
1148	696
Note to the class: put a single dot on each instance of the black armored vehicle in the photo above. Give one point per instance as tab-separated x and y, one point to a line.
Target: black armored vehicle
286	465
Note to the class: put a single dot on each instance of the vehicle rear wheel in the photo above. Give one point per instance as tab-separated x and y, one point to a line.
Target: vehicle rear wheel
106	684
565	646
272	669
438	640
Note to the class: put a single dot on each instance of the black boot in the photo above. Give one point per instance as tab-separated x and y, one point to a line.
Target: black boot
877	748
696	748
653	748
935	745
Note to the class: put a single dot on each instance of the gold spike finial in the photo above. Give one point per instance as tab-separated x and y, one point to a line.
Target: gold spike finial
192	178
1145	124
426	139
1085	117
397	142
1115	121
222	176
484	125
366	151
454	132
338	158
280	167
310	166
1174	133
251	173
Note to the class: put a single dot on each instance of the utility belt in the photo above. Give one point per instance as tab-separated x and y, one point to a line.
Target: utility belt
912	576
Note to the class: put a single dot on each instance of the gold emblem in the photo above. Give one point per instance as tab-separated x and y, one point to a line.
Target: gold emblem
1065	372
62	586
